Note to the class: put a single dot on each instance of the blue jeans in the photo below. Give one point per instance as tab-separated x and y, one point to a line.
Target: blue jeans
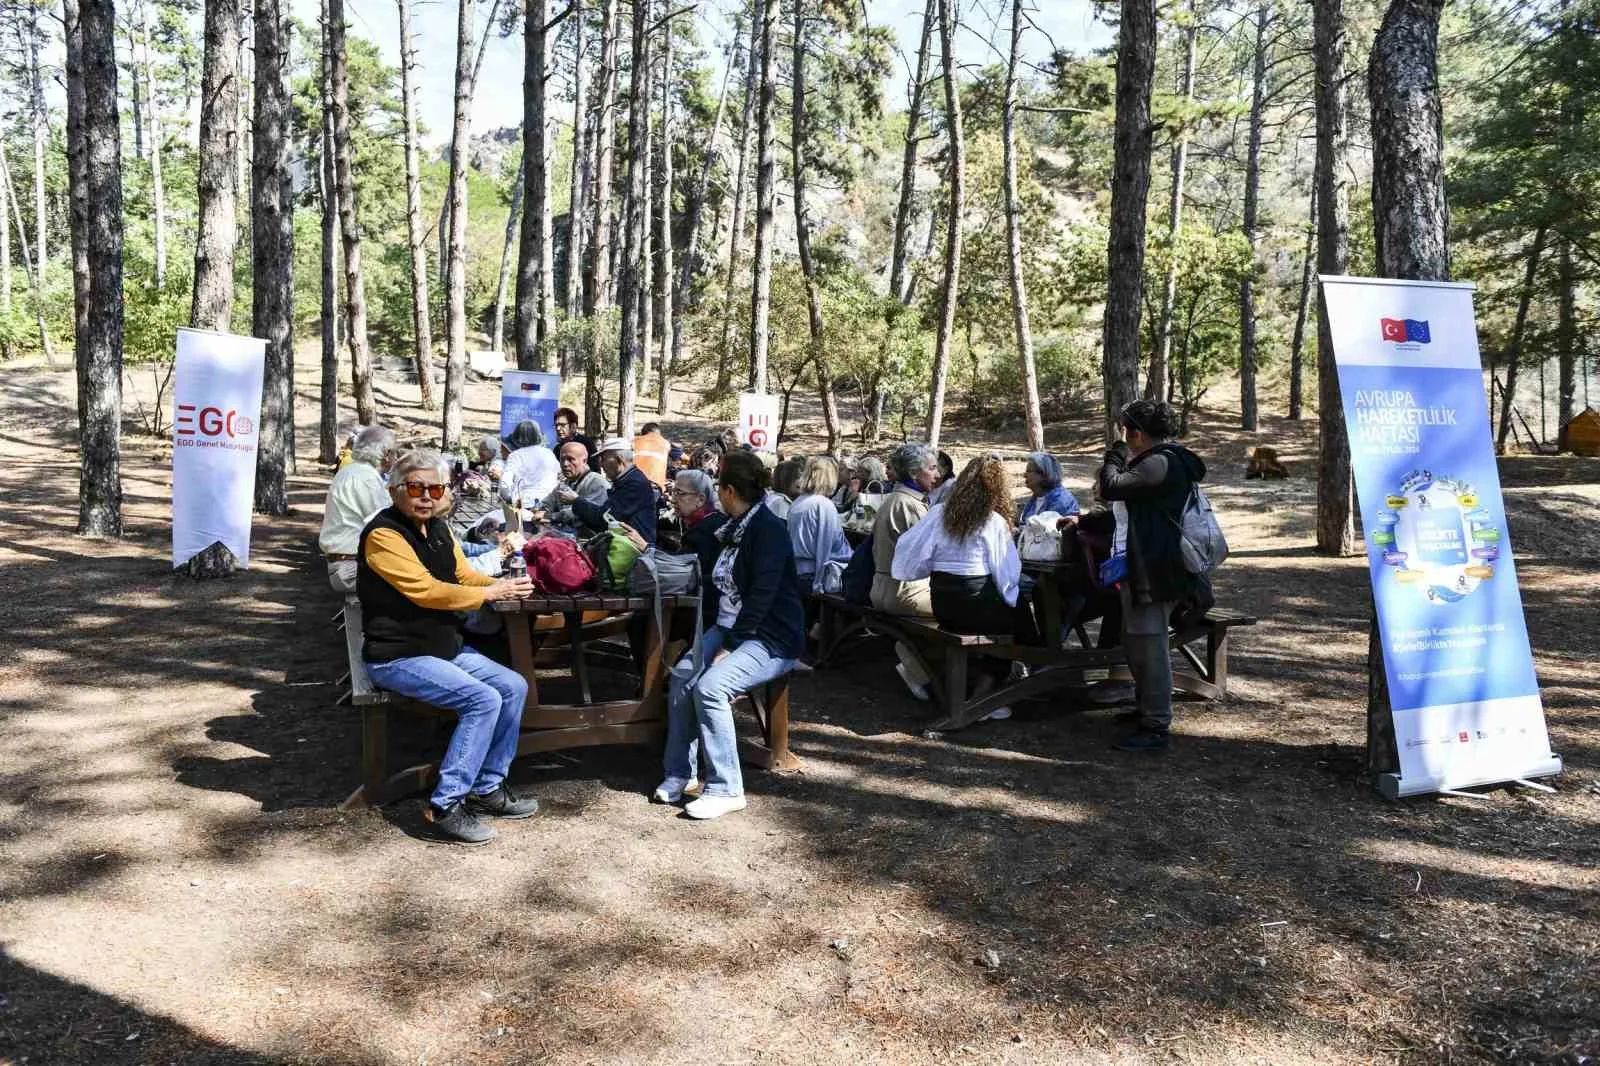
488	699
700	714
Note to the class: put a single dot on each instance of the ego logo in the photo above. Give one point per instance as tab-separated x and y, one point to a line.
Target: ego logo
213	422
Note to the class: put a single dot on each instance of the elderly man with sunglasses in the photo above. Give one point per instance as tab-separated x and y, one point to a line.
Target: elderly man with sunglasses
414	584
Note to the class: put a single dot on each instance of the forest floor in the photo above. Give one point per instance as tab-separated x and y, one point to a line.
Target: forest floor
177	884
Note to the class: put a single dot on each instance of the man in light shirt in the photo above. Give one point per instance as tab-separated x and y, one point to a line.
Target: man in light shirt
356	493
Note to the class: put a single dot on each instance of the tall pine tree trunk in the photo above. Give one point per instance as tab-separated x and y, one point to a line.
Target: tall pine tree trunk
578	182
631	294
77	180
328	425
1019	288
647	229
416	237
1130	185
1155	384
1518	331
99	356
950	288
663	217
1297	346
800	131
41	138
513	217
1335	483
533	280
158	192
695	211
905	209
766	195
1566	337
456	247
5	242
355	288
601	288
1252	197
753	66
216	233
1409	228
272	255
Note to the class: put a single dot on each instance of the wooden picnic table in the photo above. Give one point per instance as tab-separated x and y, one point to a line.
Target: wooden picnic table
548	726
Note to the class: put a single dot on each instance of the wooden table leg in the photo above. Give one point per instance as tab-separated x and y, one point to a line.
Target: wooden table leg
955	683
375	754
519	634
580	669
777	726
651	679
1047	594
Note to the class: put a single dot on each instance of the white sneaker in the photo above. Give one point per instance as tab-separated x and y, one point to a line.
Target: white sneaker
917	691
714	806
666	793
999	714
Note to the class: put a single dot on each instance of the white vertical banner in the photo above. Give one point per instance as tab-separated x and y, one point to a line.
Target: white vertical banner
1462	689
758	420
216	398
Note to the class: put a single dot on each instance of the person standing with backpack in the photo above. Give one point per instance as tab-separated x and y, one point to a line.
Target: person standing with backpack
1152	477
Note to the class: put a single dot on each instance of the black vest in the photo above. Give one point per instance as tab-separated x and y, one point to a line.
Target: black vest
396	628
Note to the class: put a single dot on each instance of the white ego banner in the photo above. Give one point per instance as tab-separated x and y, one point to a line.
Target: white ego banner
216	397
758	420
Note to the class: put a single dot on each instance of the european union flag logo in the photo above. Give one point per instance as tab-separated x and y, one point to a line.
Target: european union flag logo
1405	331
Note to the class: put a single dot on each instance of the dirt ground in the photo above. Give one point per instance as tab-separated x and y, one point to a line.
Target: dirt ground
178	886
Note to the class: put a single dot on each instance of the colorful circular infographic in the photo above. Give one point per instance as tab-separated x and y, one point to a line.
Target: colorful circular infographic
1434	535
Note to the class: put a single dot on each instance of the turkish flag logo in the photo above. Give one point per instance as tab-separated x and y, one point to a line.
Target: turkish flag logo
1394	329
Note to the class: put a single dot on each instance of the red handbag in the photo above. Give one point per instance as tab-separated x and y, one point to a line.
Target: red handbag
556	565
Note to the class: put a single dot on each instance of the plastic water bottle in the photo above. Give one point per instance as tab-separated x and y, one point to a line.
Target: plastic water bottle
516	566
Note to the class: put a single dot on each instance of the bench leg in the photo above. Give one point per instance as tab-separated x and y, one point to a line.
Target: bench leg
375	754
777	726
955	683
1217	658
580	668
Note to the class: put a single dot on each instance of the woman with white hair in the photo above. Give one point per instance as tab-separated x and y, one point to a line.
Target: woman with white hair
820	549
489	463
1042	475
414	583
356	494
531	470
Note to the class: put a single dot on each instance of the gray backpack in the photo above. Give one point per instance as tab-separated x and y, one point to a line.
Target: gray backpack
1200	538
661	574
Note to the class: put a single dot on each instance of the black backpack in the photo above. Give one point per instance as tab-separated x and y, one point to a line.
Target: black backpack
856	585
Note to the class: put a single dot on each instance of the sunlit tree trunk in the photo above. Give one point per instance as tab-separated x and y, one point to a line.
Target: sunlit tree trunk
421	319
328	426
1335	483
601	293
1252	197
695	210
1019	288
456	249
534	284
99	354
582	167
800	130
272	256
513	217
766	195
951	286
1130	185
1155	384
663	218
753	67
216	232
631	293
158	193
41	138
355	287
1297	346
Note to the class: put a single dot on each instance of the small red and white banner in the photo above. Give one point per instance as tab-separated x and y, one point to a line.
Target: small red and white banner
216	398
758	420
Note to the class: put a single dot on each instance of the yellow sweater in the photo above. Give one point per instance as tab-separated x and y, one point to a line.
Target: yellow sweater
391	558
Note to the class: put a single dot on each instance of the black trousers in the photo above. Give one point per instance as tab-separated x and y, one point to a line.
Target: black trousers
973	604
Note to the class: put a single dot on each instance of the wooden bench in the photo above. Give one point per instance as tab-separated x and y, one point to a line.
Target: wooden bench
846	624
568	645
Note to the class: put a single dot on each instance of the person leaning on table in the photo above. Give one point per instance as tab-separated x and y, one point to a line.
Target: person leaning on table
758	635
414	584
356	494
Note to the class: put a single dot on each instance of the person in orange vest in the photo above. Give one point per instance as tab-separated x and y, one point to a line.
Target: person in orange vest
650	450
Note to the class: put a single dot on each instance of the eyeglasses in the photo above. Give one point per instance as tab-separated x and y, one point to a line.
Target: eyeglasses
684	492
415	489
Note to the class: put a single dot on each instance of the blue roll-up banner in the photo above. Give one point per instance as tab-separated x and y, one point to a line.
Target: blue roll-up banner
529	396
1462	689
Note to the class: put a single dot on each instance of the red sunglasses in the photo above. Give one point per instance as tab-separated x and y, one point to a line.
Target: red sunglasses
415	489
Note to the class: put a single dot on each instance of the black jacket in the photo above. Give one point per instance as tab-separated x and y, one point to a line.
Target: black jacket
770	609
1155	486
396	628
632	500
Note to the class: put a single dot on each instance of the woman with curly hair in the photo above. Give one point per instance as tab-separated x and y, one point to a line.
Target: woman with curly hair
964	548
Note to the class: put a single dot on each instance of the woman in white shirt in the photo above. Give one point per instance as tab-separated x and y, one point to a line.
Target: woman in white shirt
820	549
964	548
531	469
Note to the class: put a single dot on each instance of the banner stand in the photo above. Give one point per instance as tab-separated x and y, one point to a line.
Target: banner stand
1457	678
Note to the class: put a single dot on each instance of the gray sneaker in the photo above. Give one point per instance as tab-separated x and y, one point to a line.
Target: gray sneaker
503	803
459	825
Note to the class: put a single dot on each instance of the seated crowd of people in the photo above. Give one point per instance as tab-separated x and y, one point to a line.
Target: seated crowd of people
769	534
